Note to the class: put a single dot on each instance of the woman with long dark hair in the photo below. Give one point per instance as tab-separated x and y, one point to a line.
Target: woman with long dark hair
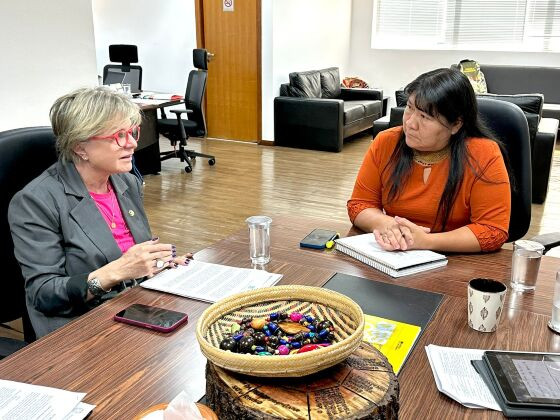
438	182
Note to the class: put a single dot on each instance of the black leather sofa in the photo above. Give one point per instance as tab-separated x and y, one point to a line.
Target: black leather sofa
542	134
314	112
508	80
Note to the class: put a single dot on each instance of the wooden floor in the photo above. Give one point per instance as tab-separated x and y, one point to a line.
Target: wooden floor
194	210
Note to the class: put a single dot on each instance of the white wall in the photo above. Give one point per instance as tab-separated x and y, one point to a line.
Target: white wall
393	69
164	31
297	36
47	50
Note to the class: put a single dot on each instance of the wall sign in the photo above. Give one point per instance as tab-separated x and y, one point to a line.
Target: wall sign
228	5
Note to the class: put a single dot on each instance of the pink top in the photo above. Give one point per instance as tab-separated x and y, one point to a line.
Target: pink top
109	208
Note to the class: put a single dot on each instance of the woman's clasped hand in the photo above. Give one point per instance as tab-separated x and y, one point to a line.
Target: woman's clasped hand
401	234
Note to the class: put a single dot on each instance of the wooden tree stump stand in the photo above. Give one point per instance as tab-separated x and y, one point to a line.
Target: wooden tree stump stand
362	387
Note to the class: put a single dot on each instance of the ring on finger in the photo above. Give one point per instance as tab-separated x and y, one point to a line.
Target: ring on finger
159	264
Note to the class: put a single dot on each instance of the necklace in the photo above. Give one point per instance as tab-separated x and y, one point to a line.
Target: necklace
429	158
113	224
105	212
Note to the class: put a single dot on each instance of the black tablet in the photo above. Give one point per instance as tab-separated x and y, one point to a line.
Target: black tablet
526	379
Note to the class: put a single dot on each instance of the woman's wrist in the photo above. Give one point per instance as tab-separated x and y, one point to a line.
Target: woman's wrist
107	276
372	218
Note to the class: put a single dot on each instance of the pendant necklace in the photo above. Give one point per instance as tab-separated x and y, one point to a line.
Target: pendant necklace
113	224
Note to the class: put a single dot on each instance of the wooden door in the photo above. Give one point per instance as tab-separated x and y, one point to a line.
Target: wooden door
233	91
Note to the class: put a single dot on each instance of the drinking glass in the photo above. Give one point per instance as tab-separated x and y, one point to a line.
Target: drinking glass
525	264
554	323
127	89
259	239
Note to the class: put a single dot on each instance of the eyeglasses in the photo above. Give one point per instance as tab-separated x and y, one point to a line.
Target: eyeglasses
121	136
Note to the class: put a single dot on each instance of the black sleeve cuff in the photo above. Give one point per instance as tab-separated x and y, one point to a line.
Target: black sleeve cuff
76	287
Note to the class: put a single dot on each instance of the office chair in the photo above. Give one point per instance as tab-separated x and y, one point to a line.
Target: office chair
24	154
124	72
509	124
178	130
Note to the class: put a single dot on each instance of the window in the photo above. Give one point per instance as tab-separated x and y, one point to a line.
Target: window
488	25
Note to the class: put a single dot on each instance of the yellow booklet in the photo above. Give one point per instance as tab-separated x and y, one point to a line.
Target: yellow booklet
393	338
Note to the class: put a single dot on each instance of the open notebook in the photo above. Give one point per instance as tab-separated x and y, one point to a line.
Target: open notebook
395	263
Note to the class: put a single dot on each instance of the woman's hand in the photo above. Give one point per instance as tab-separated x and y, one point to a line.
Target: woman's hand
144	259
182	260
401	234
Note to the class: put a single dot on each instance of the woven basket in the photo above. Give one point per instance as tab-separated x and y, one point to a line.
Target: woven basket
342	311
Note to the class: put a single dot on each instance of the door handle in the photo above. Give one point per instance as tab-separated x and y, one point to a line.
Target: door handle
210	56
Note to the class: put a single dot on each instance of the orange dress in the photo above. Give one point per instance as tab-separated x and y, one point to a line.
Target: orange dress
484	207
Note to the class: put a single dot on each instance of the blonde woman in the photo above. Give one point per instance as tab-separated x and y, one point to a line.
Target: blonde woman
79	229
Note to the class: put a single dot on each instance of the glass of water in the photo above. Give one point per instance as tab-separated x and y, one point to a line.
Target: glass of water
259	239
554	323
525	264
127	89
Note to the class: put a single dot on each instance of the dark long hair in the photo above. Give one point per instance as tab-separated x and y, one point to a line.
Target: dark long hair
447	93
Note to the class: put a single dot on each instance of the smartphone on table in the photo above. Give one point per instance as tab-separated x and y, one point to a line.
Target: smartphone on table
319	239
158	319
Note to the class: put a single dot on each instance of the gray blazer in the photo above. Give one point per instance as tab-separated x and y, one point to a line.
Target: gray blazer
60	237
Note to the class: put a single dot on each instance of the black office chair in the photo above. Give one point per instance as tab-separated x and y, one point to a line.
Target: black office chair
178	130
123	72
24	154
509	124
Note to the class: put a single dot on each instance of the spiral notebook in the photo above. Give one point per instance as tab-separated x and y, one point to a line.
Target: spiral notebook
395	263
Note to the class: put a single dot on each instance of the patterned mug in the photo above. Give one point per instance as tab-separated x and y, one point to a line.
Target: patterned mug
485	303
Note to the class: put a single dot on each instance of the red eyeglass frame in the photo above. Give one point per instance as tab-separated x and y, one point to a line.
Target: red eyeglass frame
118	140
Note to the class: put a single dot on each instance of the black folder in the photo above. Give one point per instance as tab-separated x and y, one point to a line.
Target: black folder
386	300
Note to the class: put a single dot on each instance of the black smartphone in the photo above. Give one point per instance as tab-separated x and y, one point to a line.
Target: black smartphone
319	239
158	319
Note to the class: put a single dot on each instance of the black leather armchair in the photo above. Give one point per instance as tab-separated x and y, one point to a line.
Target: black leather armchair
24	154
314	112
542	134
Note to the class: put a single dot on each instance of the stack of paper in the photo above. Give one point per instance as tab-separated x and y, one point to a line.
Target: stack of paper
32	402
456	377
210	282
160	96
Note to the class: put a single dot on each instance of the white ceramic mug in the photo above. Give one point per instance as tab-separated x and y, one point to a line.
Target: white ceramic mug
485	303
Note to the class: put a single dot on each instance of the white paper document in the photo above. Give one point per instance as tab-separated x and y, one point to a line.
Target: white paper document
156	102
80	411
456	377
210	282
32	402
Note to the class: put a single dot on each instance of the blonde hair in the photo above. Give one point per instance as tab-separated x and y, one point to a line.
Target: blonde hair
89	112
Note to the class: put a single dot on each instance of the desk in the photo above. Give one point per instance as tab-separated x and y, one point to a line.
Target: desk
147	153
125	369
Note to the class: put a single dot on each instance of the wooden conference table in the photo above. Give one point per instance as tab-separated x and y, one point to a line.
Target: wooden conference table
125	369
